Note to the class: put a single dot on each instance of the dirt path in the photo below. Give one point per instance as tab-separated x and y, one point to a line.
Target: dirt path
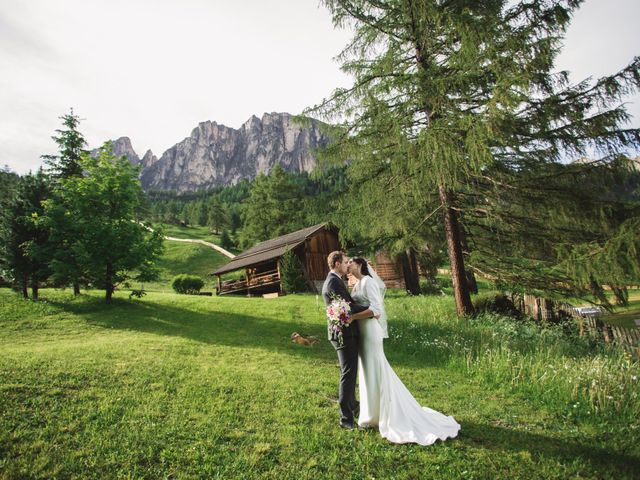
226	253
202	242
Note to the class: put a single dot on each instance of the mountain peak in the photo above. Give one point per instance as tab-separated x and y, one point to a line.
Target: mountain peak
216	155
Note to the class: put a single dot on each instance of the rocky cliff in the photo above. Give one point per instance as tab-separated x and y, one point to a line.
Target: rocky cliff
215	155
122	146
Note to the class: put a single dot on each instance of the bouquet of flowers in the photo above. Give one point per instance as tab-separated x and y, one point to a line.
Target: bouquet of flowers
338	313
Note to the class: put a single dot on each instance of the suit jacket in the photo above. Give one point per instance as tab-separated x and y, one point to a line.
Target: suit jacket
335	285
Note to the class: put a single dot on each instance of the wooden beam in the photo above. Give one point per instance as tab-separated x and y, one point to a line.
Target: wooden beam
279	275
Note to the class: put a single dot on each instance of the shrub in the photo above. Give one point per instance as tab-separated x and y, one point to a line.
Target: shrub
225	240
500	304
291	271
189	284
444	282
431	288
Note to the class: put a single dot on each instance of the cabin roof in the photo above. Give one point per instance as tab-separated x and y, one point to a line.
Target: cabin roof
270	249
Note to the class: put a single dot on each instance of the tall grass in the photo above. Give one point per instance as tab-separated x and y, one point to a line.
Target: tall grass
550	364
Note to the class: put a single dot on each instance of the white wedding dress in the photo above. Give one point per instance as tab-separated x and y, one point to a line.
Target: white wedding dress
384	400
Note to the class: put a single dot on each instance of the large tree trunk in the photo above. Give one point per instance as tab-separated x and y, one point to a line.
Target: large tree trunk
76	288
456	259
410	271
25	282
109	283
469	275
34	288
472	285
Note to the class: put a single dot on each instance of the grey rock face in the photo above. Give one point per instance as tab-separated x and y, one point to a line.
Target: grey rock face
215	155
122	147
148	159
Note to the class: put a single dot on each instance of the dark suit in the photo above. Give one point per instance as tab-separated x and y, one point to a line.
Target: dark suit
348	351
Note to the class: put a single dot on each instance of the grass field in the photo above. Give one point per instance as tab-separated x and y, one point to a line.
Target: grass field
626	316
192	231
191	258
176	386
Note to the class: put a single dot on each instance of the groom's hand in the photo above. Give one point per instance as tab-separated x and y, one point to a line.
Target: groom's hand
360	315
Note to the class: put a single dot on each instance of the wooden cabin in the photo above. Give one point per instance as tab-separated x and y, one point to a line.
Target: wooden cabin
262	263
389	270
312	246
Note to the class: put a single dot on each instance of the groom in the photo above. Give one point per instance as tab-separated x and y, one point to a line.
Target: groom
348	351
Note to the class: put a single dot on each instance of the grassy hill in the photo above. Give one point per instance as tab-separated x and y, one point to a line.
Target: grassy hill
191	258
192	231
180	257
204	387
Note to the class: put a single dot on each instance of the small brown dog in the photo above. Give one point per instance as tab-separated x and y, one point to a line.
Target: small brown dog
300	340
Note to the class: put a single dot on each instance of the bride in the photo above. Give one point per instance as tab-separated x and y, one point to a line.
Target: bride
385	402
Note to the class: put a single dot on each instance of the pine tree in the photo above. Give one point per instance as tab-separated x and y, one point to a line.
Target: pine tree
449	93
71	145
64	165
274	207
23	238
109	244
218	216
225	239
8	183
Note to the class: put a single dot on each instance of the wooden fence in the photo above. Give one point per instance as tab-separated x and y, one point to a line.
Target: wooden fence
543	309
628	338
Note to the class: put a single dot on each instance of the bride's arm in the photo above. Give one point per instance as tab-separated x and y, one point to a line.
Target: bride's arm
375	298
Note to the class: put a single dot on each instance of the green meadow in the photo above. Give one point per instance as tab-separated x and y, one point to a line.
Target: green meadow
181	257
172	386
626	316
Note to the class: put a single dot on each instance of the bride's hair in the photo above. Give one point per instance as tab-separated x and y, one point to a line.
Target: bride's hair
364	269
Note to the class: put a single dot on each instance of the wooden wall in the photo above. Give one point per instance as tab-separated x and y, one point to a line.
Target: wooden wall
389	270
316	250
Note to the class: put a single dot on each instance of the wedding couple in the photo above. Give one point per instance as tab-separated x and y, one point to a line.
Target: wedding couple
385	403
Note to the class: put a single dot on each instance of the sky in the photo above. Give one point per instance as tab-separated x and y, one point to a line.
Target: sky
153	69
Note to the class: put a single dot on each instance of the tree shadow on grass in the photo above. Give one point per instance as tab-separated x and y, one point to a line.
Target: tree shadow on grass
608	463
271	332
214	327
236	329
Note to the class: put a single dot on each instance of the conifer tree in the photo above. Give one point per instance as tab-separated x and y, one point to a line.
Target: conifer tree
274	207
8	183
447	94
217	215
23	239
71	146
64	165
110	245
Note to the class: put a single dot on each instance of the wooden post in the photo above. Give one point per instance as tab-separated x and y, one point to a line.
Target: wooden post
307	277
219	285
248	281
581	325
280	276
608	335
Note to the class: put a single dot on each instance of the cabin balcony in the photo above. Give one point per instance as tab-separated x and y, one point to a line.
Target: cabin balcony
252	284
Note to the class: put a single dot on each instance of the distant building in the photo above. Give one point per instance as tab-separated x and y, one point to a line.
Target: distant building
312	245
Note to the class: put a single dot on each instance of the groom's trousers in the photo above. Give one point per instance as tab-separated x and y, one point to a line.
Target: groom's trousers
348	358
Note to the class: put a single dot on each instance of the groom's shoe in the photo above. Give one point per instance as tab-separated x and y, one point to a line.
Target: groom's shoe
346	425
